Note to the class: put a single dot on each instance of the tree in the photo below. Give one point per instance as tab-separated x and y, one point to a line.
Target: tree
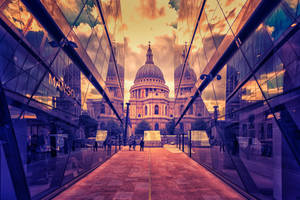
199	124
89	124
113	128
141	127
170	126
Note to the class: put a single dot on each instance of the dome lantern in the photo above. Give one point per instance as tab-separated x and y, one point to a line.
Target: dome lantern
149	70
149	59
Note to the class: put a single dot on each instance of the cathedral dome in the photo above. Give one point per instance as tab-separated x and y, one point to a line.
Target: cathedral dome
189	73
149	69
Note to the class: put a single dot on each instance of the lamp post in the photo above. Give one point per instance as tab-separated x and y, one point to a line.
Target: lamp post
126	124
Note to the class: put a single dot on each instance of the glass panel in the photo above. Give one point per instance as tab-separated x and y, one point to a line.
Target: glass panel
237	71
271	77
219	91
71	9
218	25
277	23
93	46
231	9
291	5
257	45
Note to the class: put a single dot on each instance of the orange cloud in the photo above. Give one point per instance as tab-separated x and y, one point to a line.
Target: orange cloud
149	9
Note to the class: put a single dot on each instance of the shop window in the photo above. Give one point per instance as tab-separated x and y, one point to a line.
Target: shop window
102	109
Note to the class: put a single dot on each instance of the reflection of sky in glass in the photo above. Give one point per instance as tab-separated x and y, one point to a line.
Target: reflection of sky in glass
277	22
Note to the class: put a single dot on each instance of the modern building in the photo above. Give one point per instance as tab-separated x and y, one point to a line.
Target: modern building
51	61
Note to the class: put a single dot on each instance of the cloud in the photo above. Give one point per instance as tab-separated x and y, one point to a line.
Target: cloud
228	2
149	9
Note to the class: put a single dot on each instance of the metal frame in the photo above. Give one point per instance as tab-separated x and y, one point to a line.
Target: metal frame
261	12
11	150
46	20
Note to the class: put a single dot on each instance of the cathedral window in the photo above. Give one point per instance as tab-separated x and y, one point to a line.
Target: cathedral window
181	126
181	109
156	126
146	110
102	109
191	110
102	126
166	110
156	110
146	92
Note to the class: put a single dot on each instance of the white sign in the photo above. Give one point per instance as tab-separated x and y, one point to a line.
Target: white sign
101	135
200	137
152	136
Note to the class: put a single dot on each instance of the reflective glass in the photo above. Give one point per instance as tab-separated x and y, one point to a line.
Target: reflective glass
270	77
237	71
71	9
257	45
92	47
277	22
231	9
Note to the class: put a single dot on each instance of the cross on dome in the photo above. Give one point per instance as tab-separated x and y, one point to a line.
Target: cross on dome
149	59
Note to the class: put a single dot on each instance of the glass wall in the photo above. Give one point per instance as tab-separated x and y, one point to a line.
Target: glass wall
250	134
63	125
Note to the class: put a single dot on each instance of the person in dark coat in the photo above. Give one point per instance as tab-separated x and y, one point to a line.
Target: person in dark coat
96	146
130	144
134	144
142	145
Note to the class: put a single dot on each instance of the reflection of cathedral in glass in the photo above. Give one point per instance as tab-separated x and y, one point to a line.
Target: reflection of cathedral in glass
149	96
99	109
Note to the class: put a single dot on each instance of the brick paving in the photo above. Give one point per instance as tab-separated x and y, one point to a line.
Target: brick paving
156	173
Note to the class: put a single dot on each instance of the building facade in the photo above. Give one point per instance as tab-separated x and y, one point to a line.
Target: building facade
150	101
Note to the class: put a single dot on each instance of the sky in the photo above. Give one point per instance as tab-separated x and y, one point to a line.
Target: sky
167	24
155	21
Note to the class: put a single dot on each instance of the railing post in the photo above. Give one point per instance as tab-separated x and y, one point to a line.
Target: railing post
182	142
190	143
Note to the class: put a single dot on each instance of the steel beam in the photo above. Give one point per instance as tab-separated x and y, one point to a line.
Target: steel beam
11	150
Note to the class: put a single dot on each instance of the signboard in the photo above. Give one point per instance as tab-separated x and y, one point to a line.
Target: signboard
101	135
152	139
152	136
200	138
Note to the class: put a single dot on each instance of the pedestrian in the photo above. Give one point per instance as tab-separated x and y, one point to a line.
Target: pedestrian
96	146
134	144
130	143
142	145
104	144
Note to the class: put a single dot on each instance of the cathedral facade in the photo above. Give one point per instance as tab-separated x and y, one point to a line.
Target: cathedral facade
150	101
149	97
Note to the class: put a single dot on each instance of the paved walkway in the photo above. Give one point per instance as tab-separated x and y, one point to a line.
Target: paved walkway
156	173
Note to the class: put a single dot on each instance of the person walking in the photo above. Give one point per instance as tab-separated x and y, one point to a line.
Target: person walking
142	145
96	146
134	144
130	143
